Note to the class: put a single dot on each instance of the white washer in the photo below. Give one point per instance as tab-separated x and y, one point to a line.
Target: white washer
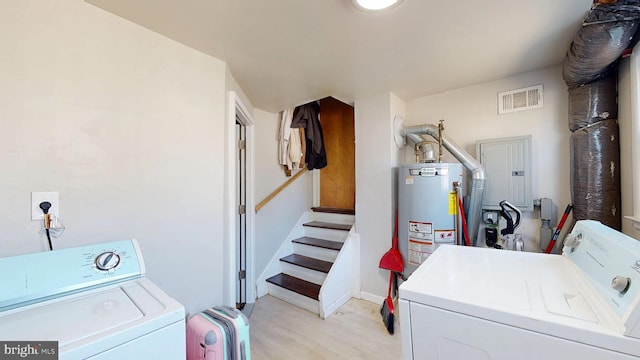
94	300
478	303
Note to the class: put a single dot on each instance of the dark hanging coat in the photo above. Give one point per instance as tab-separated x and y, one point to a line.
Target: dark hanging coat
308	116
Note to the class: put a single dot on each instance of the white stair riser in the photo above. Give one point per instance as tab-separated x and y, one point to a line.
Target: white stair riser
326	234
314	276
294	298
315	252
334	218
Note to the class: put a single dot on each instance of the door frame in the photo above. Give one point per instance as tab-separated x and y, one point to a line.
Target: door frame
236	110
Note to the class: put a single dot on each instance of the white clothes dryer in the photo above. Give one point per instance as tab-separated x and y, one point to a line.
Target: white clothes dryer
478	303
94	300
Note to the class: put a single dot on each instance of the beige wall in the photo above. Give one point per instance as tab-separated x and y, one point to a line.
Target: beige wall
128	126
471	114
277	218
375	192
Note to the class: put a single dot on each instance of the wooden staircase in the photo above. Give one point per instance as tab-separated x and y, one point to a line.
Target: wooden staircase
304	272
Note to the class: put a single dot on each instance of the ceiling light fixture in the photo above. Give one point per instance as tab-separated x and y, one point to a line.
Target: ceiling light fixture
375	5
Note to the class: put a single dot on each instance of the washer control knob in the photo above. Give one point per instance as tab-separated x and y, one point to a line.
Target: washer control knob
107	261
571	242
620	284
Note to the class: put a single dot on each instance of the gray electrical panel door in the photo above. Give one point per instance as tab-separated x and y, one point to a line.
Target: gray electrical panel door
507	165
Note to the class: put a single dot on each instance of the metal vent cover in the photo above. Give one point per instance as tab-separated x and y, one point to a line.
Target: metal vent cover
520	99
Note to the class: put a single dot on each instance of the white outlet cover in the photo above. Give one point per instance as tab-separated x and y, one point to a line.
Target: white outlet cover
38	197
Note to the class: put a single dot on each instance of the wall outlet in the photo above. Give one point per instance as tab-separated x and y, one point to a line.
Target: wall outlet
490	217
37	197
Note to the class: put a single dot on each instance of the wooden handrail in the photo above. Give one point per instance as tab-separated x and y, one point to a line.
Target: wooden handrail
279	189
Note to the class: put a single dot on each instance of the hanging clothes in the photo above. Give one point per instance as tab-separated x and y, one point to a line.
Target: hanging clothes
308	117
295	149
303	148
291	143
283	137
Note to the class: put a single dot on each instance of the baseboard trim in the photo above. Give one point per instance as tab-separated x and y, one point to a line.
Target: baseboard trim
331	308
376	299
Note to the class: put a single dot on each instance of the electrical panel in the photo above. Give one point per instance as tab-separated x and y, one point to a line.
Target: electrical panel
507	165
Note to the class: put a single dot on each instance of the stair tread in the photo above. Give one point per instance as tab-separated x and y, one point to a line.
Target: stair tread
308	262
296	285
334	210
328	225
327	244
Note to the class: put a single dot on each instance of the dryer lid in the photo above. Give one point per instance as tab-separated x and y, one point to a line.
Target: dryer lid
509	287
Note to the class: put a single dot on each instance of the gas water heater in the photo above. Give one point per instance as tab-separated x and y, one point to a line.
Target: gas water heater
427	208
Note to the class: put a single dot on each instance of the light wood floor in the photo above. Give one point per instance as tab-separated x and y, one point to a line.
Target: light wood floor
282	331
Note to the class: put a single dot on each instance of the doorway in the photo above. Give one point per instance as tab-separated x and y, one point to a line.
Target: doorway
241	215
238	266
337	181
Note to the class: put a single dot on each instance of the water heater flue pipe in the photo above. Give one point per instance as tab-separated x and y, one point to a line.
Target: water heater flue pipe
474	214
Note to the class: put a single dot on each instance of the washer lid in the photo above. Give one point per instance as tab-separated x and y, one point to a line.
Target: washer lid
71	320
544	293
547	287
31	278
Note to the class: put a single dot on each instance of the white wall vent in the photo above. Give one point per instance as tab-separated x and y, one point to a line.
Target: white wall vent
521	99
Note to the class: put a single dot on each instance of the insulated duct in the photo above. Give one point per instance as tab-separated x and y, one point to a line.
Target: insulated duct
606	33
474	212
595	173
590	72
593	102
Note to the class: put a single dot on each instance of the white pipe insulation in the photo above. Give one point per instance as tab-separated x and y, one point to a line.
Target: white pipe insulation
474	213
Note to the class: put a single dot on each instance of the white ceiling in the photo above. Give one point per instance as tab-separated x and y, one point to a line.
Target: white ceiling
288	52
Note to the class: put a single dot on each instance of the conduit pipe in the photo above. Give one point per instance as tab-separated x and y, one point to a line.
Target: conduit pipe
474	212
